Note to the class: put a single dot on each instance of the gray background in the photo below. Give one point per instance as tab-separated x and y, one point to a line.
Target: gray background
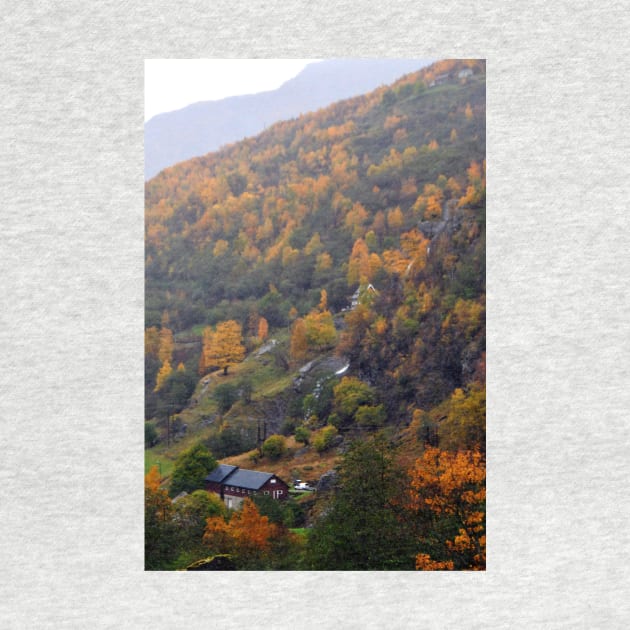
71	268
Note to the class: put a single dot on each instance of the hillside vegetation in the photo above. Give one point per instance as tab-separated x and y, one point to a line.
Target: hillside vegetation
324	281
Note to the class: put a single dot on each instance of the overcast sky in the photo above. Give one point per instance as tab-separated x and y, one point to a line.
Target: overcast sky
171	84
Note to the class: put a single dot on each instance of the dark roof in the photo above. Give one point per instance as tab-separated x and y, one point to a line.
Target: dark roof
250	479
220	473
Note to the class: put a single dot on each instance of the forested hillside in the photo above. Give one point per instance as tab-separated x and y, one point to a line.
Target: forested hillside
324	282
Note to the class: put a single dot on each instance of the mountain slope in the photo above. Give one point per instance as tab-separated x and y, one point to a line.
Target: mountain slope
385	189
203	127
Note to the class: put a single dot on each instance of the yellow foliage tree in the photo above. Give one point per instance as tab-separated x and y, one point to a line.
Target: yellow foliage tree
320	330
395	219
375	265
323	301
220	248
165	371
359	263
476	190
223	347
465	423
167	344
324	262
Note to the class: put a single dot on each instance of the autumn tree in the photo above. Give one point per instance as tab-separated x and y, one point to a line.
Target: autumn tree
165	371
476	191
395	219
152	479
158	525
223	347
247	535
166	345
446	504
433	209
358	323
320	330
359	263
299	344
263	329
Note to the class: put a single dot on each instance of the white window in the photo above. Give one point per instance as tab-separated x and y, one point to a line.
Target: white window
273	481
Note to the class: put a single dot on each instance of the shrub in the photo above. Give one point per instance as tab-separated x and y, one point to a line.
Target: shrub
322	439
302	434
150	435
226	395
367	415
274	447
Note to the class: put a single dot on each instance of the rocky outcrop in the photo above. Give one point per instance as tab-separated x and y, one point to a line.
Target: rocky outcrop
448	222
327	481
215	563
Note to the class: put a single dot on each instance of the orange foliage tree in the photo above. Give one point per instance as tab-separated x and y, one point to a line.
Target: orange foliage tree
158	510
446	497
263	329
299	345
247	535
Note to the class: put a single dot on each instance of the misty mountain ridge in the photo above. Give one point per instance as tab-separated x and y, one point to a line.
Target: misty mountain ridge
207	125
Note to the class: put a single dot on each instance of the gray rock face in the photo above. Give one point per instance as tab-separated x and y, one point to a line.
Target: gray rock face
337	441
327	481
449	221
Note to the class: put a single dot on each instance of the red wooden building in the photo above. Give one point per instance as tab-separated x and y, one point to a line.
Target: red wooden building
234	484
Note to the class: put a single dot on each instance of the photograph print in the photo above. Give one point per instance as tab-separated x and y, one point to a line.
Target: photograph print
315	298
